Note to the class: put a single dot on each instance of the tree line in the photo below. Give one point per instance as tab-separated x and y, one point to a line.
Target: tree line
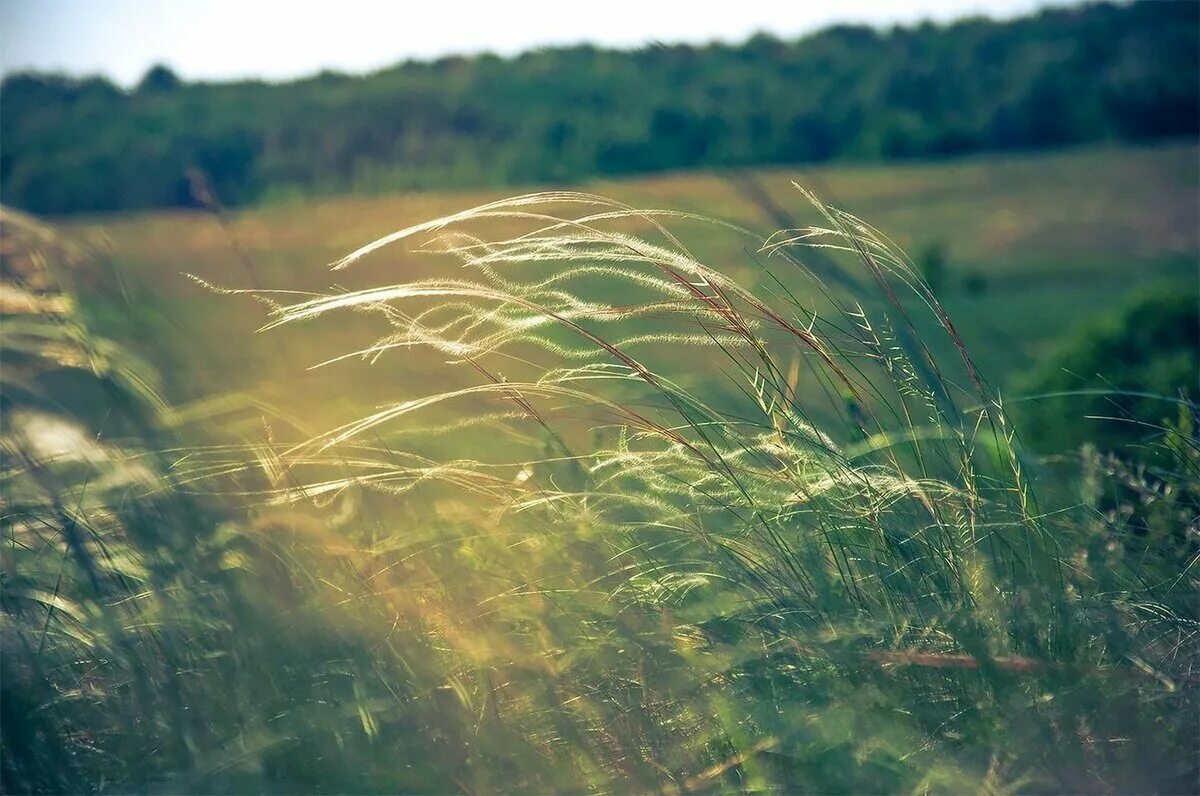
1062	76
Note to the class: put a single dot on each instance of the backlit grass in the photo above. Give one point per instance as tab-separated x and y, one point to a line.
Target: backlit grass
638	525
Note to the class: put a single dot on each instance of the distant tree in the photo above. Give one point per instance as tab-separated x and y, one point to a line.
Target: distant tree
1062	76
158	78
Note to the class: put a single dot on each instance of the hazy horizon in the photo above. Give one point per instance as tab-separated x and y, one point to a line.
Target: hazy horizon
277	42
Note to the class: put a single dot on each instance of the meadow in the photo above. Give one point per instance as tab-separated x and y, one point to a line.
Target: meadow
1028	246
596	495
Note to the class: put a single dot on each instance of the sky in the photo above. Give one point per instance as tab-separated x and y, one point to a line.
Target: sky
276	40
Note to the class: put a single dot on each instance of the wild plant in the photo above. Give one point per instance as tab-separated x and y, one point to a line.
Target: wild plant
836	522
666	525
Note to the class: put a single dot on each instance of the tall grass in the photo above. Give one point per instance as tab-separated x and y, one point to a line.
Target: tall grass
678	526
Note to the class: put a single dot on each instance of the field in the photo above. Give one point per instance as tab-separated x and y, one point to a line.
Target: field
1032	245
618	509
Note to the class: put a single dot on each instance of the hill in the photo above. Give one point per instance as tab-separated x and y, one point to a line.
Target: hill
1028	245
1063	76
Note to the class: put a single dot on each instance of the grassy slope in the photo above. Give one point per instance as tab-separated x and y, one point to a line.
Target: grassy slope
1057	237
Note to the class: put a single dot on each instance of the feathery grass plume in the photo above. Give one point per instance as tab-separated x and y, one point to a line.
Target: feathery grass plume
673	527
598	322
158	640
787	476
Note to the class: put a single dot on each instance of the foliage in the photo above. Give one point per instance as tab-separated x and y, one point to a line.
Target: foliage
600	562
1063	76
1119	378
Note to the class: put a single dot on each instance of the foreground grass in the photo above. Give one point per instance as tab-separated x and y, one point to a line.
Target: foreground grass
659	530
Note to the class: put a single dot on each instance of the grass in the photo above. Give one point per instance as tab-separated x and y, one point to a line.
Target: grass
1054	238
640	525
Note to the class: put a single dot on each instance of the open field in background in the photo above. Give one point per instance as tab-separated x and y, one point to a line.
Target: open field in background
1033	244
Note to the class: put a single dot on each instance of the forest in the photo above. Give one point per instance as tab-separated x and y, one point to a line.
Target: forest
1102	72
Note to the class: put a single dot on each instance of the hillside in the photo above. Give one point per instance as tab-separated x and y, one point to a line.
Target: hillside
1063	76
1030	245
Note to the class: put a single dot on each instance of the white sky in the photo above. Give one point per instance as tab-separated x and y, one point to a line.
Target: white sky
222	39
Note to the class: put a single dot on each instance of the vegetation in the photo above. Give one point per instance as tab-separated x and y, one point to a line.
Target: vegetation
558	494
1054	237
590	563
1123	373
1064	76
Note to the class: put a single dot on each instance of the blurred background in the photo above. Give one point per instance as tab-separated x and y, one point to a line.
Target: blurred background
1037	161
177	621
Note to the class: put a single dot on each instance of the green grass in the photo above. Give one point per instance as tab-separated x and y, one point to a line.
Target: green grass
1056	237
631	502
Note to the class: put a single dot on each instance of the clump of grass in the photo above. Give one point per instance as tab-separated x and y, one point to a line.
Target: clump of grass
670	530
836	521
157	639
